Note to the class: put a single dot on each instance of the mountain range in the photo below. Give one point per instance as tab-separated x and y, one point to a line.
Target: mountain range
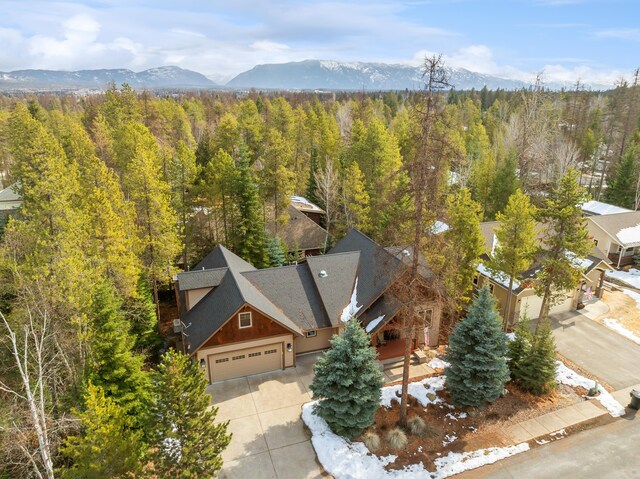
331	75
304	75
162	77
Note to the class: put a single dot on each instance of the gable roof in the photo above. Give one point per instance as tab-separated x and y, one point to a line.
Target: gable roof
378	268
624	228
300	232
336	284
10	193
203	278
599	208
221	257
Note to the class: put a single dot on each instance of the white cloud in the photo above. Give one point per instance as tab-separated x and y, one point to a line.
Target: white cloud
267	46
621	33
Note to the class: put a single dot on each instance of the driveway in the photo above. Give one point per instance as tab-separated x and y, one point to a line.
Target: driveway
606	354
269	440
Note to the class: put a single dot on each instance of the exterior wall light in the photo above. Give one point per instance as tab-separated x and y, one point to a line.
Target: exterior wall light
289	347
202	363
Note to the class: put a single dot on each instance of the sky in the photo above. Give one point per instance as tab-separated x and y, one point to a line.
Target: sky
565	40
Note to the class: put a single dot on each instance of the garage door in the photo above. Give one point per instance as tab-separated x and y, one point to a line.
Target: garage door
243	362
534	304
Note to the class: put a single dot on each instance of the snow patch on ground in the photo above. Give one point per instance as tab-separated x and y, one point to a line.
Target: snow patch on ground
372	325
352	460
448	439
455	463
619	328
437	363
352	308
510	336
632	277
424	391
633	295
462	415
569	377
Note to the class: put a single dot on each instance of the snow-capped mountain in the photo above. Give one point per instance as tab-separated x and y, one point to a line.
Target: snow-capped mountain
331	75
162	77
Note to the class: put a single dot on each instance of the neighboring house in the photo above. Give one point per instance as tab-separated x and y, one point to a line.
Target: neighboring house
10	201
301	234
524	297
597	208
239	320
618	235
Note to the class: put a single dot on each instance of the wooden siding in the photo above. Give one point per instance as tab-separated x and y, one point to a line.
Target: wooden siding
262	326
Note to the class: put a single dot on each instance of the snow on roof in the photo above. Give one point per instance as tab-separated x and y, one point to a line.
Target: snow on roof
600	208
582	263
352	308
501	279
439	227
302	203
372	325
628	236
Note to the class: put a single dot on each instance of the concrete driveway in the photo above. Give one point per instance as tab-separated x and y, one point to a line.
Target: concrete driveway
269	440
606	354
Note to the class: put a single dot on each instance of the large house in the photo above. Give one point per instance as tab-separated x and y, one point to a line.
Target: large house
618	235
524	299
239	320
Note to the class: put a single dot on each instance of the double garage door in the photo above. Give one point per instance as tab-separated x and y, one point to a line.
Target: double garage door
244	362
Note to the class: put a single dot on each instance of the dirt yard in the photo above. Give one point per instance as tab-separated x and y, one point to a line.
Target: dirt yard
624	309
457	430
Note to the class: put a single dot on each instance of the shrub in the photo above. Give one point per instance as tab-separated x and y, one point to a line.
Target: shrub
397	439
372	441
417	426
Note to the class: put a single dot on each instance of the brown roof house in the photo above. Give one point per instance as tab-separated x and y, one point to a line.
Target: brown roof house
524	299
302	234
618	235
239	320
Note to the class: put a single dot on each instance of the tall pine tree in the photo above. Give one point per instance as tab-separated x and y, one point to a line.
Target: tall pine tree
515	243
108	445
347	382
188	443
477	370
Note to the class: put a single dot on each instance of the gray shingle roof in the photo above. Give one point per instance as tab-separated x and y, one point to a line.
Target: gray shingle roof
10	193
386	306
336	287
292	290
203	278
221	257
378	268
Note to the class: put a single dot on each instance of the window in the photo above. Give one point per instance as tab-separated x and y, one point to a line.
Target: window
491	288
253	355
595	242
245	320
311	334
235	358
476	279
222	360
271	351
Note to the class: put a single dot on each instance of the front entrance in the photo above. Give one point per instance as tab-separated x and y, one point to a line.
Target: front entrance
244	362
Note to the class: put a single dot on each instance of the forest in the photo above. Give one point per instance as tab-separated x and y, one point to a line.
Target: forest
124	189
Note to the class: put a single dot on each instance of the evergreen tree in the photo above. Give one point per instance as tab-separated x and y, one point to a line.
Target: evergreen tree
312	186
188	444
505	184
355	199
111	363
519	347
565	240
347	382
477	370
621	184
276	252
536	371
250	239
109	446
465	244
516	243
140	313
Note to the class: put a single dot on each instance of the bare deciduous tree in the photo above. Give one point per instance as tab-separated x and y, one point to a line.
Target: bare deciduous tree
327	190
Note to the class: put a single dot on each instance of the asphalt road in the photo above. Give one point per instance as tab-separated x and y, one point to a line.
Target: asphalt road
605	353
611	451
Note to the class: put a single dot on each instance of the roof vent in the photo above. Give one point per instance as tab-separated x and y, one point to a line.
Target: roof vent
406	252
323	274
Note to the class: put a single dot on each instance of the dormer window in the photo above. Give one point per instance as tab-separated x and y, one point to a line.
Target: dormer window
311	334
245	320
